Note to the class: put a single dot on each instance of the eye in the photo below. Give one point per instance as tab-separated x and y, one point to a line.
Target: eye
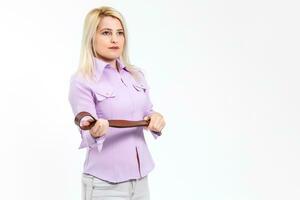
121	33
105	33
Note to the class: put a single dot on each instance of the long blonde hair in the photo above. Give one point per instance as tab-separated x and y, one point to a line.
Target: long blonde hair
92	19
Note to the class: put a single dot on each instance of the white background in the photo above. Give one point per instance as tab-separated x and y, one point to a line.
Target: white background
223	73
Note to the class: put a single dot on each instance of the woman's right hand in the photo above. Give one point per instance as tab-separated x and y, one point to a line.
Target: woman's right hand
100	127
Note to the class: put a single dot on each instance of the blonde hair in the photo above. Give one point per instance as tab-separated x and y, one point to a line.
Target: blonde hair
87	52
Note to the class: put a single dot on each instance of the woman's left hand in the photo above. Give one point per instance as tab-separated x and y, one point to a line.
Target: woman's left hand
157	122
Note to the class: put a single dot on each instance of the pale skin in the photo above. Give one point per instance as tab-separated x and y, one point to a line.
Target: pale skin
110	33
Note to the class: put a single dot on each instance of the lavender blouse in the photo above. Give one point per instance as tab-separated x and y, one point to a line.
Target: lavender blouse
122	153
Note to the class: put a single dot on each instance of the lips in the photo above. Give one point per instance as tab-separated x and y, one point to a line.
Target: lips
115	47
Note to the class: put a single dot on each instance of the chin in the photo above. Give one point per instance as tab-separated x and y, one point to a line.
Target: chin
113	56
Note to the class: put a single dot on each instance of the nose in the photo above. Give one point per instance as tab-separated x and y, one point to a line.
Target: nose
113	38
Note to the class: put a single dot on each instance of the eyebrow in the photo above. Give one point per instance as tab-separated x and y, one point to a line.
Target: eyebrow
110	29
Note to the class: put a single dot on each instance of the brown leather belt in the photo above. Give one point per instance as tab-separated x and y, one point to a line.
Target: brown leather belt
117	123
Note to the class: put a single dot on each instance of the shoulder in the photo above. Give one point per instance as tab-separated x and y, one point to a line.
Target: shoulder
78	80
79	77
141	71
142	77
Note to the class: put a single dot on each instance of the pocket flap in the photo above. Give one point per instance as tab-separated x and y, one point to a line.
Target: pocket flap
140	86
104	92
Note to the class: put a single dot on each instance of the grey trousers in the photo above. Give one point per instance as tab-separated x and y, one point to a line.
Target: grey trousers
94	188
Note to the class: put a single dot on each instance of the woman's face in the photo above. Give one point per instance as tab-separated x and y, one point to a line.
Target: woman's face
109	34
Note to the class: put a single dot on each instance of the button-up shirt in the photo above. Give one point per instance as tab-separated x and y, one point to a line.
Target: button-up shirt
122	153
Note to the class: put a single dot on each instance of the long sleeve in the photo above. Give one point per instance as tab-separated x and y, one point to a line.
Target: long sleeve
81	99
149	106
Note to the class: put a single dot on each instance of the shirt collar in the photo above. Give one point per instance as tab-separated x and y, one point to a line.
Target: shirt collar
100	65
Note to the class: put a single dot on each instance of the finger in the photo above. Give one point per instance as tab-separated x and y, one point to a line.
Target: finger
100	127
156	124
90	120
147	118
85	123
99	132
161	125
96	128
104	123
151	124
103	127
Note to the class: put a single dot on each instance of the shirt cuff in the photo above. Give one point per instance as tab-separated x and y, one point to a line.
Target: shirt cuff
100	141
154	135
89	141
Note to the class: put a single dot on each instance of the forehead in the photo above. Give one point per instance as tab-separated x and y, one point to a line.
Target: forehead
110	22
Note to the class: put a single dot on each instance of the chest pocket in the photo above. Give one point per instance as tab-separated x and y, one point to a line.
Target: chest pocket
141	99
103	93
105	98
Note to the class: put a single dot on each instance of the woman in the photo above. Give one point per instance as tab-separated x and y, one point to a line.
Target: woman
107	86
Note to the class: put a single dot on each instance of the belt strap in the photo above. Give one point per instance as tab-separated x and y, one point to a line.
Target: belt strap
117	123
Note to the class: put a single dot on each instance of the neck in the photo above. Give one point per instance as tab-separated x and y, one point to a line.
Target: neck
112	62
